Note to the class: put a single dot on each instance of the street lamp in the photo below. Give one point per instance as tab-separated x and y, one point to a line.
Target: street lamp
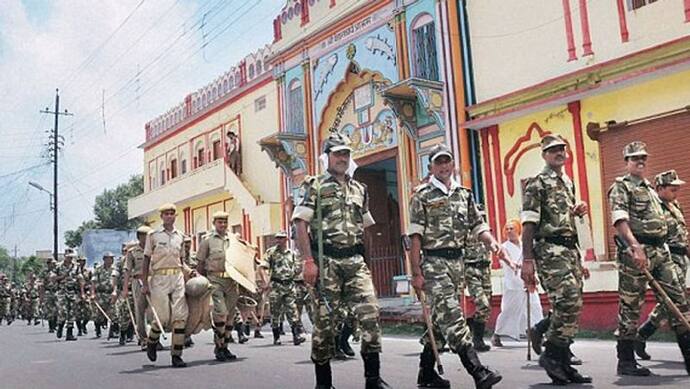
52	208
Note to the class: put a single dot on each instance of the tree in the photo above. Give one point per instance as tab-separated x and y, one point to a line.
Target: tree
110	210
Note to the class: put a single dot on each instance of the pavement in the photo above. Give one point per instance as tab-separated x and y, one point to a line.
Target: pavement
30	357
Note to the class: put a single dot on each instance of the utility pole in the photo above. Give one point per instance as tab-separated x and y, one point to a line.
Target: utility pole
56	141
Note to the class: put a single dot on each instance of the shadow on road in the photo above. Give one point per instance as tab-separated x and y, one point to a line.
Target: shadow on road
652	380
149	368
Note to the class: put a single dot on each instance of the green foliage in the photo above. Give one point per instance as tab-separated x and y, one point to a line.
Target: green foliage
73	237
18	270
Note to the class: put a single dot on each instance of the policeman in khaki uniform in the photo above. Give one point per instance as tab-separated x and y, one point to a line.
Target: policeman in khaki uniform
549	242
163	279
211	263
443	217
280	262
667	186
638	215
134	269
344	204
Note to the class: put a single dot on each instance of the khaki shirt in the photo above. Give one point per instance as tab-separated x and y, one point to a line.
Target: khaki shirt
211	254
134	261
164	248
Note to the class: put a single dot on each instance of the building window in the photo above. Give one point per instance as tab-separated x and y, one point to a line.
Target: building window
183	166
162	172
258	67
217	150
260	103
635	4
173	169
251	71
424	43
200	157
295	112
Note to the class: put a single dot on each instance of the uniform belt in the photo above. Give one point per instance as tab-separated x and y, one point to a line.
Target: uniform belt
219	274
340	252
167	271
447	253
566	241
479	265
651	240
284	282
678	250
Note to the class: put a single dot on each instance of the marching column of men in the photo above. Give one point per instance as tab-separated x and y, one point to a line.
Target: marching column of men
450	247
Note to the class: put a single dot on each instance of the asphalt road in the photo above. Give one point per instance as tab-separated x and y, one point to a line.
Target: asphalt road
30	357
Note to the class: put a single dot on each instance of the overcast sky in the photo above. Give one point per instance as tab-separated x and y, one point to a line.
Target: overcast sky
139	56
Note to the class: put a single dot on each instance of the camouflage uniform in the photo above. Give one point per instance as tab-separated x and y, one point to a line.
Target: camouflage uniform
69	282
134	261
5	300
547	202
83	309
478	280
281	266
102	283
303	299
30	300
49	290
122	311
347	280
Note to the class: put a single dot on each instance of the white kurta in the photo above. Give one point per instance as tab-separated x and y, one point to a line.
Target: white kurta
512	321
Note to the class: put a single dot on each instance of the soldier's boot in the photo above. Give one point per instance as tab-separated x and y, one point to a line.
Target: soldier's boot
130	333
98	329
282	330
626	360
113	329
684	344
339	354
247	329
241	337
536	333
28	322
478	336
79	331
219	354
229	356
83	326
646	330
58	332
427	376
553	360
324	378
344	341
297	338
574	376
257	333
188	342
70	333
372	374
178	362
123	338
276	336
152	350
484	378
572	359
37	322
51	326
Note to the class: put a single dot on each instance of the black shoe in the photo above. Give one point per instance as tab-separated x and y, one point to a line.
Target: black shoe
219	354
51	326
572	359
151	350
536	333
427	376
247	329
130	333
188	342
178	362
626	360
478	336
684	344
276	336
297	339
159	346
83	327
37	322
323	374
79	332
574	376
343	341
241	338
59	330
228	355
646	330
257	333
552	360
98	330
372	371
70	335
123	338
484	378
282	331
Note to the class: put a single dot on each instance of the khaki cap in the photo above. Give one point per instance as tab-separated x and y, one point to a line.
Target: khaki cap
167	207
551	140
438	151
336	142
220	215
669	177
144	230
634	149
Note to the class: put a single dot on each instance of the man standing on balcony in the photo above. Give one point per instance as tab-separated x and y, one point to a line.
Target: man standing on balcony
233	152
443	217
637	214
163	257
335	208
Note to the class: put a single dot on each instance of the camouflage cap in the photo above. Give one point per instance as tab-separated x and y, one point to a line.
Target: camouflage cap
220	215
439	150
634	149
167	207
108	254
669	177
144	229
336	142
551	140
281	234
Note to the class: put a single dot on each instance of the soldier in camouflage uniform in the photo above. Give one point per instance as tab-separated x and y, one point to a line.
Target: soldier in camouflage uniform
48	293
343	205
102	293
70	283
667	186
30	299
478	279
279	260
5	299
549	239
134	261
124	300
638	215
83	310
443	216
303	299
211	263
